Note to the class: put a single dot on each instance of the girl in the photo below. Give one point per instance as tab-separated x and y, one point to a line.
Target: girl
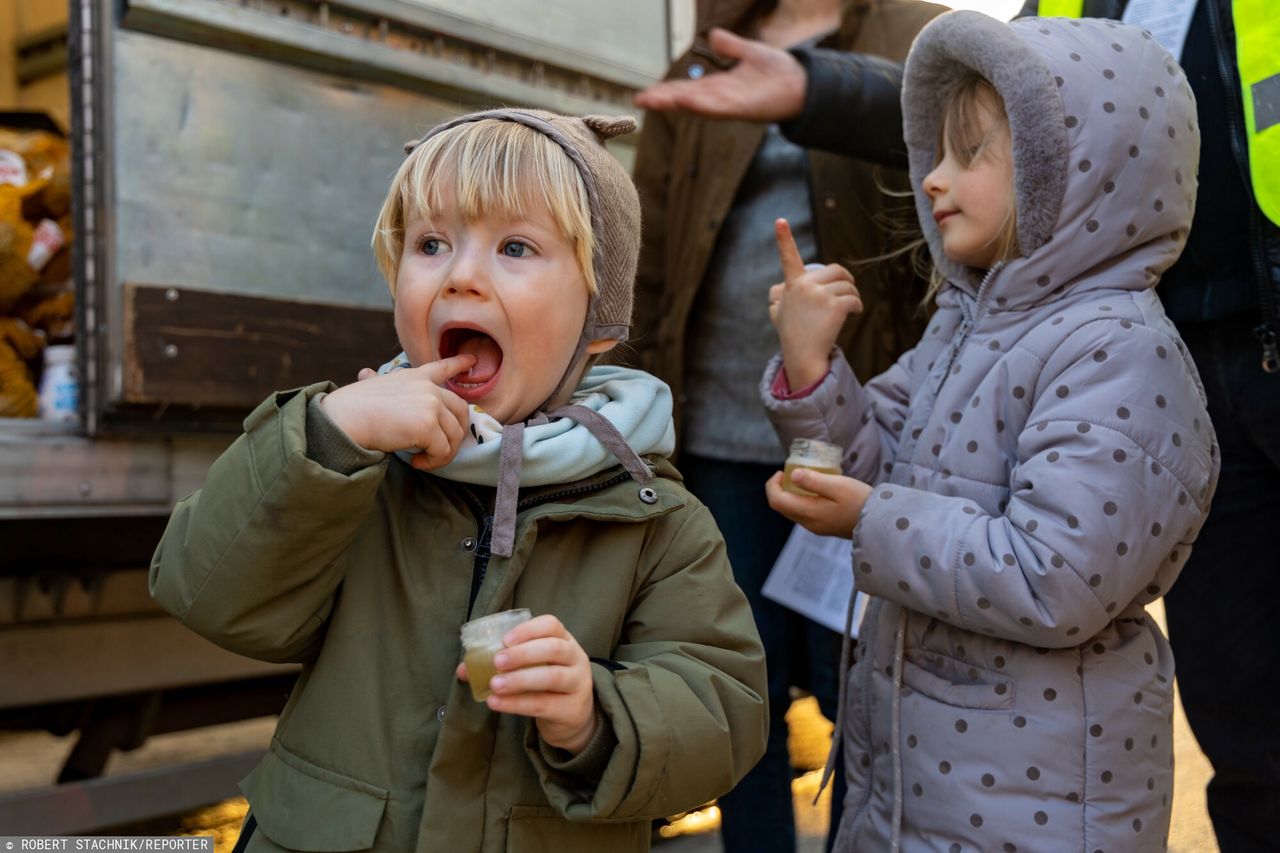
1034	472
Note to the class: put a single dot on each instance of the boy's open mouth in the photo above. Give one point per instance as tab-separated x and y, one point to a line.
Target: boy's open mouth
479	380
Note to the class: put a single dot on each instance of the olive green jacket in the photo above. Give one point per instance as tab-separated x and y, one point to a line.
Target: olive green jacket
365	579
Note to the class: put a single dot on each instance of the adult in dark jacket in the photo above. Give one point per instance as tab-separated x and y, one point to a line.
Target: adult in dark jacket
710	191
1223	294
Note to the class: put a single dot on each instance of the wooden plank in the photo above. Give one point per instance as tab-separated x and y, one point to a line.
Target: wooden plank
60	474
76	472
61	661
97	804
201	348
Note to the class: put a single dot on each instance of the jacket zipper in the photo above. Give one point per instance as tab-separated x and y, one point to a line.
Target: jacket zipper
484	533
1265	332
484	523
968	323
528	503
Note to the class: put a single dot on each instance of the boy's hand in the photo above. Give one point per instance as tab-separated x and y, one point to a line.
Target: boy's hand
834	512
543	673
808	309
405	408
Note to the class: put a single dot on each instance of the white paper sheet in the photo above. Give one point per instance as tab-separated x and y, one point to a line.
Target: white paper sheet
1166	20
813	576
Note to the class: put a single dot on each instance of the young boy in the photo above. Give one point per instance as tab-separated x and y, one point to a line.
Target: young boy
509	240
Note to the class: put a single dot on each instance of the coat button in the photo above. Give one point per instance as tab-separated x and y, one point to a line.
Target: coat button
648	495
469	544
440	713
829	203
696	70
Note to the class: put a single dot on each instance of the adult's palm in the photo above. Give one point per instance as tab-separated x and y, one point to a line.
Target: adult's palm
766	84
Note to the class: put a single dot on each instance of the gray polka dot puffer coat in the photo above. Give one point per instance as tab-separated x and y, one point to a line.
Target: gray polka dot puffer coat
1042	462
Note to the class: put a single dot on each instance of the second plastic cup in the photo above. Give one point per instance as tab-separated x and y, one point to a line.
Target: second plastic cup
481	640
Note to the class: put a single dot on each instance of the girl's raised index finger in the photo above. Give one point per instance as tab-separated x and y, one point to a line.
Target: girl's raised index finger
792	263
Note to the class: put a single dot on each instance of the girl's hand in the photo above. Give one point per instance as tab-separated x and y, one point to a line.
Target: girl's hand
808	309
405	408
543	673
834	512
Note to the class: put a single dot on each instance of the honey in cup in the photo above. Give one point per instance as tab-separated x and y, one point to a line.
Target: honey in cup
812	454
481	640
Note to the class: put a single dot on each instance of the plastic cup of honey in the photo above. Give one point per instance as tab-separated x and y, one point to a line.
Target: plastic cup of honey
812	454
481	640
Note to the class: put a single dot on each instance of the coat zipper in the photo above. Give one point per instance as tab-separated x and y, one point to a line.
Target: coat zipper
1265	332
484	523
484	534
968	323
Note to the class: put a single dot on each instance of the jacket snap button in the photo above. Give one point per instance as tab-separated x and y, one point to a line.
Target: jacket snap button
696	71
468	544
648	495
829	203
440	713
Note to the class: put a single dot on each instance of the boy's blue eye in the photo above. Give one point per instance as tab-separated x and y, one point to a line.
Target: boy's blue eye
431	246
514	249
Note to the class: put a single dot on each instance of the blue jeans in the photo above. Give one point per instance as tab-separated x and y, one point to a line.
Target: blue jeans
757	817
1221	610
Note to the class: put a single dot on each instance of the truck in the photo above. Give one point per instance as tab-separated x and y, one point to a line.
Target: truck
228	161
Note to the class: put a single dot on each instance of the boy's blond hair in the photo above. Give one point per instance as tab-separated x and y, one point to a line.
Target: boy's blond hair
494	167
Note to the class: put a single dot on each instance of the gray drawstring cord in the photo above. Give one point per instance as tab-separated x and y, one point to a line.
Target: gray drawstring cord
609	436
895	840
837	735
511	457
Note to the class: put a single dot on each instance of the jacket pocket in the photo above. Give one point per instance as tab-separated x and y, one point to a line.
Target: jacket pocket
301	806
955	682
542	829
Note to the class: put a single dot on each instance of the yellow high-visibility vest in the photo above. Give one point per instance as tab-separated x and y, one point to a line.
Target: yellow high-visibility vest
1258	60
1061	8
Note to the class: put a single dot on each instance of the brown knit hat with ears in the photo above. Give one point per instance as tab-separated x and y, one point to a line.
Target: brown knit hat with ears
615	216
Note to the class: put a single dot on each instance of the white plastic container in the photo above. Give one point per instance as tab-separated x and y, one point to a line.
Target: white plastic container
60	384
481	640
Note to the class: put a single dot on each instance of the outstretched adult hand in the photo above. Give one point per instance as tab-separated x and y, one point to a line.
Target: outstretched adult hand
766	84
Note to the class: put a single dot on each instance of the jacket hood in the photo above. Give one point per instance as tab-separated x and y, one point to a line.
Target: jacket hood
1105	148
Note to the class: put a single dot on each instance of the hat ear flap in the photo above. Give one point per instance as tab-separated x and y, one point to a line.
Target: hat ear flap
607	127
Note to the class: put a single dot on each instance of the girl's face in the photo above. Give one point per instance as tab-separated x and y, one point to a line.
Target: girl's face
972	191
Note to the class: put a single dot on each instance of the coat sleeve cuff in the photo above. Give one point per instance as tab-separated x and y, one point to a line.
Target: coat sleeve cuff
589	764
328	445
863	88
807	129
782	386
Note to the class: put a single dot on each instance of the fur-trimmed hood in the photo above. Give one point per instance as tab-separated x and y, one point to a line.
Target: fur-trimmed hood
1105	148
